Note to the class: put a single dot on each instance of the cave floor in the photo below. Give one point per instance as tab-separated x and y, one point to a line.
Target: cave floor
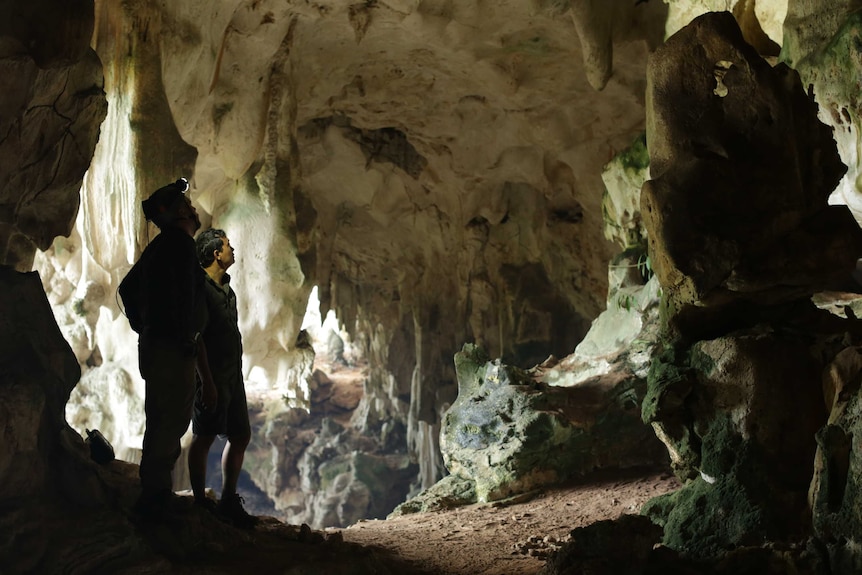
511	537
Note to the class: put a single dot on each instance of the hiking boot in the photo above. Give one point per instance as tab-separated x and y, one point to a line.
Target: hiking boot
231	508
158	505
207	504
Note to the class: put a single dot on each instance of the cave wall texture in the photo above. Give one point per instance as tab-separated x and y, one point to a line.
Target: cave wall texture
433	167
463	141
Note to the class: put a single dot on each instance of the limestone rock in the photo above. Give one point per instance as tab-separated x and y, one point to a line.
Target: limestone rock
739	415
50	122
822	44
761	21
622	337
111	401
42	461
595	549
842	304
33	347
836	506
719	120
736	392
623	177
450	492
628	327
322	472
509	433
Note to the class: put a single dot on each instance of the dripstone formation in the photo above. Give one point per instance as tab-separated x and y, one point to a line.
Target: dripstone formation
557	236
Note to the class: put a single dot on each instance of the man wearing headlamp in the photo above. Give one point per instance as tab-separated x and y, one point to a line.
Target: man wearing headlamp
163	297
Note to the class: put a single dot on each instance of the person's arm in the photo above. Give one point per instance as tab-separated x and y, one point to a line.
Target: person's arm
188	286
209	394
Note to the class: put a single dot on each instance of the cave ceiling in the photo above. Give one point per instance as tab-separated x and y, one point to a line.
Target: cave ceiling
433	167
404	155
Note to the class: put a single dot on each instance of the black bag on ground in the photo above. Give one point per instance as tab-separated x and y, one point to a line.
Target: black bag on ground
101	451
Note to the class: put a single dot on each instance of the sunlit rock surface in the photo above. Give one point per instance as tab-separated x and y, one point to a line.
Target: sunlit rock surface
436	169
510	433
822	43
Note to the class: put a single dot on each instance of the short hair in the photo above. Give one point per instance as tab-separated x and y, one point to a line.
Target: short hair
207	242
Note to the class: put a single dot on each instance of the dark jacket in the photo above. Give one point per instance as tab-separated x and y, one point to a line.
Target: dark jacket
221	332
165	288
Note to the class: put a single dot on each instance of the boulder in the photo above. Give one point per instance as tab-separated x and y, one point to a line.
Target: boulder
739	414
50	121
718	124
735	391
509	433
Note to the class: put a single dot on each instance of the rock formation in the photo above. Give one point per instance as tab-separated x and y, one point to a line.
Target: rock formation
49	125
310	148
510	433
435	170
736	392
726	149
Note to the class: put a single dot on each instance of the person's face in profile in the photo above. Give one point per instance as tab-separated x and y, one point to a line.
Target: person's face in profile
226	256
187	211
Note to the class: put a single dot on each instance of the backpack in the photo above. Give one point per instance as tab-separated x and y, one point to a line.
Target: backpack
130	292
101	450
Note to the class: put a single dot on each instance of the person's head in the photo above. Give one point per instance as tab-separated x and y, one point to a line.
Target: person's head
169	206
213	246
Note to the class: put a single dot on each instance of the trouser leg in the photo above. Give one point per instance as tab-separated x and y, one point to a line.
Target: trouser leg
169	378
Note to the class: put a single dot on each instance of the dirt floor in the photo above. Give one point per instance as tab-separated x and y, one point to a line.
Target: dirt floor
512	537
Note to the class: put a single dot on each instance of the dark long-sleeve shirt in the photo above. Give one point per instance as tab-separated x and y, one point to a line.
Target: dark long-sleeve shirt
172	297
221	333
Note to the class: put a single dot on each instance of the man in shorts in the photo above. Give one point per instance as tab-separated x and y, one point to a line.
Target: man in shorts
228	415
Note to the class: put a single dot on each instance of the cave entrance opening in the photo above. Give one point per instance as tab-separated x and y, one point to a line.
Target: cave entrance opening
337	380
329	340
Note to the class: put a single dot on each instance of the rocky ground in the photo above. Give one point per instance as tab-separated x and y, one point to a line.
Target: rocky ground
510	537
97	530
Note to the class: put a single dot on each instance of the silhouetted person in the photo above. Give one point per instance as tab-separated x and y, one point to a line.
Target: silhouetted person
228	417
164	301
